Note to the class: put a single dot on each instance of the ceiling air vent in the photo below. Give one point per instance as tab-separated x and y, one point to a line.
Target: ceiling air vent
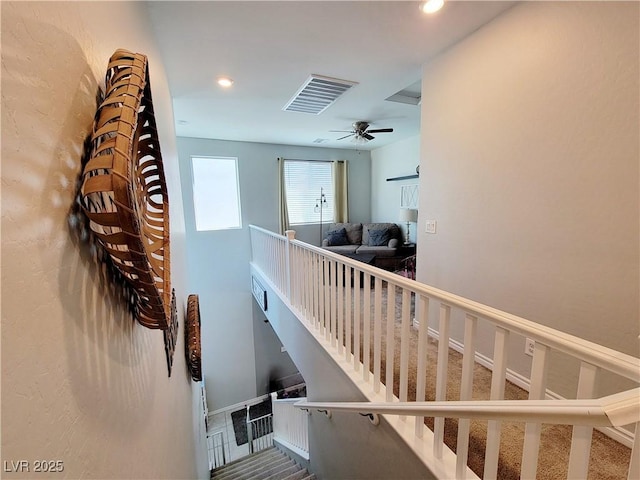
317	93
412	95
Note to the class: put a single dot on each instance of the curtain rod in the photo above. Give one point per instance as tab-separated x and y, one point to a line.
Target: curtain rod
307	160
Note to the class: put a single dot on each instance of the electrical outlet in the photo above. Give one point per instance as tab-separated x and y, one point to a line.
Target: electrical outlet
529	346
431	226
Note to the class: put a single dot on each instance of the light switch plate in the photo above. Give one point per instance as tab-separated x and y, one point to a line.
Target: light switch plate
431	226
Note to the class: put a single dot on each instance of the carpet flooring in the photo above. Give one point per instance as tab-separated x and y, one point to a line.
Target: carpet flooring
609	459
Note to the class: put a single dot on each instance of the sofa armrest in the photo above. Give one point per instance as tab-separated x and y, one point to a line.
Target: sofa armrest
393	243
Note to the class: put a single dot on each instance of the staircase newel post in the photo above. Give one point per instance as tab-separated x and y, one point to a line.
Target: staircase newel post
249	430
291	235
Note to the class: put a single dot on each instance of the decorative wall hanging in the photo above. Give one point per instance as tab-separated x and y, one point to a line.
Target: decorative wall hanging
171	333
192	345
409	196
124	193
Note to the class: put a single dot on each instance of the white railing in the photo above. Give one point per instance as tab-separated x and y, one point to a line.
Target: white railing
259	432
215	448
614	410
290	425
329	293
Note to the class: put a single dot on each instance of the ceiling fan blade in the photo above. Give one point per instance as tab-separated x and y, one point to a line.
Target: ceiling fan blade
345	131
346	136
367	136
380	130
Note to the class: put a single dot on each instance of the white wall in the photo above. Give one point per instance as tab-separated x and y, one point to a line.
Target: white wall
81	381
396	160
218	261
530	132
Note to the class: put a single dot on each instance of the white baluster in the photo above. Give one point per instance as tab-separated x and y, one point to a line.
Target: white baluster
466	391
391	317
356	320
334	303
634	465
340	287
421	369
404	344
377	327
327	301
316	285
441	375
348	312
366	315
498	378
537	391
581	438
308	294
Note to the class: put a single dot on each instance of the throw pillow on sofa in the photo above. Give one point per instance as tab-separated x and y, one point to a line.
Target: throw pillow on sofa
379	238
337	237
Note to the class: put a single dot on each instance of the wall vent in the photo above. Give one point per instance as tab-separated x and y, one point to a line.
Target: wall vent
317	94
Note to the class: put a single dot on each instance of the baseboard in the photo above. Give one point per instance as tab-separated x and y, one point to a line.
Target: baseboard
619	434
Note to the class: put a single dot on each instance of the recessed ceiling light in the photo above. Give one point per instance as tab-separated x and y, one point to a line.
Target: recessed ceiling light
431	6
225	82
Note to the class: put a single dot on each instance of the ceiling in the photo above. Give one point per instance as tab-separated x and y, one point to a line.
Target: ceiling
271	48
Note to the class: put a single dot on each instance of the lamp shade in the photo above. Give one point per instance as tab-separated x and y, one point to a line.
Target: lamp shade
408	215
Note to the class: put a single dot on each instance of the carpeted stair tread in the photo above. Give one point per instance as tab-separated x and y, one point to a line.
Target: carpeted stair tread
268	451
252	461
273	470
253	469
270	464
243	464
266	470
302	474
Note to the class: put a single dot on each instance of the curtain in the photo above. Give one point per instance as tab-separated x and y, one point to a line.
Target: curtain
282	199
340	191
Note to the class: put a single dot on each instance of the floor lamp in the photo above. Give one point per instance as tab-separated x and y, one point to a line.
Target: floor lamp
408	215
321	204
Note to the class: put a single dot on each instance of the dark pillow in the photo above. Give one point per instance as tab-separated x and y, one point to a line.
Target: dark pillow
337	237
379	238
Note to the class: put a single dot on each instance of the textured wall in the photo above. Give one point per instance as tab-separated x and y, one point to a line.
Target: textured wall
395	160
81	382
530	134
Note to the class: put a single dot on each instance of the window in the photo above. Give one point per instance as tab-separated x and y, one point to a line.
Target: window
304	180
216	196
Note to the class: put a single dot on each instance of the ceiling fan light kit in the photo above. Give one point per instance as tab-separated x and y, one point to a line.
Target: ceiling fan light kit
361	132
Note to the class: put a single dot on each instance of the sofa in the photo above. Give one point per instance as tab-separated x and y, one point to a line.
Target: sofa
379	239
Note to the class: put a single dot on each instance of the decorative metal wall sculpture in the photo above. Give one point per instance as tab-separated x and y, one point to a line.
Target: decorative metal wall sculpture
171	333
192	345
124	193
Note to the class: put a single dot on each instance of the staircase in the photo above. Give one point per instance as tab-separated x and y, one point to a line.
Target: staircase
362	318
269	464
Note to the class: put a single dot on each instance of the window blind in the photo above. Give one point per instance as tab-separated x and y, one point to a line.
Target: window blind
303	183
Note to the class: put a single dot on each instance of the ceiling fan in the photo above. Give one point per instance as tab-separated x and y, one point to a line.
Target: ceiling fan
361	131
